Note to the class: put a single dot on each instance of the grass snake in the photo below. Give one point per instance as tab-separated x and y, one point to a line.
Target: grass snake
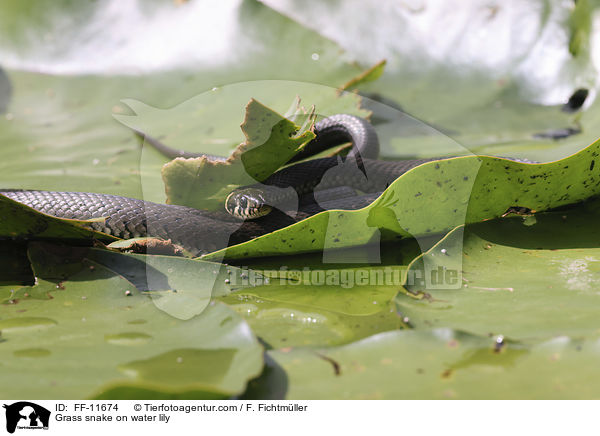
320	184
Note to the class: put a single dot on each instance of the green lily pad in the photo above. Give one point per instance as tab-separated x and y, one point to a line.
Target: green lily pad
283	324
178	286
359	300
438	364
369	75
59	133
443	189
5	91
99	337
332	230
271	140
497	186
580	25
207	122
520	277
310	302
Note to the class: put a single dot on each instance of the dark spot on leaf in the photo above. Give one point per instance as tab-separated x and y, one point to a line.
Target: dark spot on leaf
576	100
557	134
336	366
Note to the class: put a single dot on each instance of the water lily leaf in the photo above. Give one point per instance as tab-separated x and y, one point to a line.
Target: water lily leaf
369	75
5	91
207	122
59	132
580	25
397	213
438	364
521	278
440	191
357	301
99	337
180	287
271	140
282	324
312	302
204	124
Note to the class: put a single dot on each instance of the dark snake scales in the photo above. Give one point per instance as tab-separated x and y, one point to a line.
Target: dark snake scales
201	231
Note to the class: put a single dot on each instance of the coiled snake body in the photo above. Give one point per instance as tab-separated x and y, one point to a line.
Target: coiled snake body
314	181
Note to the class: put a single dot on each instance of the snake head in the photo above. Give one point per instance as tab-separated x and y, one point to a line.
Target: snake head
247	203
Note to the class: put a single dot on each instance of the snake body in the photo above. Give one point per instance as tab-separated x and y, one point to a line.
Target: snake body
202	231
198	231
359	170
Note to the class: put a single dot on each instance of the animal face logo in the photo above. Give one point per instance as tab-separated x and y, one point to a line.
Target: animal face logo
26	415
